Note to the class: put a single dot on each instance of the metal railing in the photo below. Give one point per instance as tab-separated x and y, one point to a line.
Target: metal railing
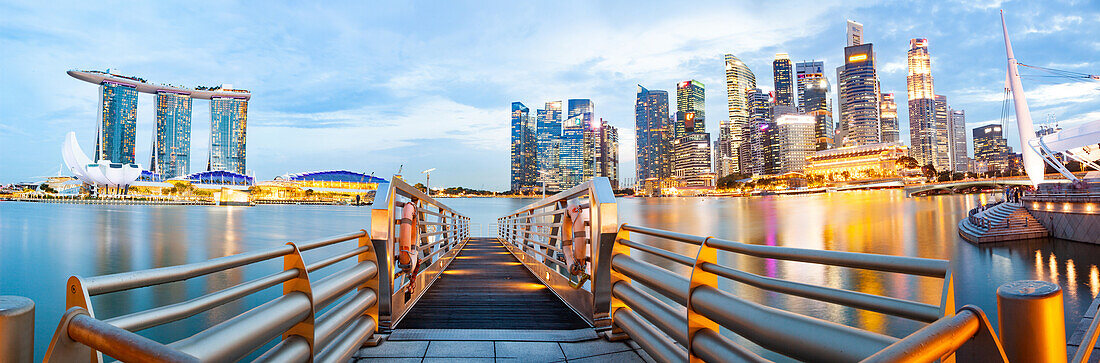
443	232
534	234
293	316
357	301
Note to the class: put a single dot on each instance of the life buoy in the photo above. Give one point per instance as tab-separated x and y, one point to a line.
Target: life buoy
407	256
576	250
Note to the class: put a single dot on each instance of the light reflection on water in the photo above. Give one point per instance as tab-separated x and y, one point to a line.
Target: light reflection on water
42	244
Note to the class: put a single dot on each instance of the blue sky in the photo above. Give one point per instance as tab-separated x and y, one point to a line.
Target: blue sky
369	87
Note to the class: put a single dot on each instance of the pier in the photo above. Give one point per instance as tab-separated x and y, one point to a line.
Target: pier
513	297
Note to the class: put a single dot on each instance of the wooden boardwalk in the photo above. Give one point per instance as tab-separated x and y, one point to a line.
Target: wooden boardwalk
487	288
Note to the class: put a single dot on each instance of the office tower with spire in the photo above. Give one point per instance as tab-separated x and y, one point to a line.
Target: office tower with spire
814	99
889	114
783	73
653	148
739	82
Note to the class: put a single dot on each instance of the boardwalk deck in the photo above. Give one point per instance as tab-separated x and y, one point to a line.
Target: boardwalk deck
487	288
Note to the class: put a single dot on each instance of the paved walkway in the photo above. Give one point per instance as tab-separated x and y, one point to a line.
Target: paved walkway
597	350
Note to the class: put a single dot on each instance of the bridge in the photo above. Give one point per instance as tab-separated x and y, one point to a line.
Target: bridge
643	294
956	186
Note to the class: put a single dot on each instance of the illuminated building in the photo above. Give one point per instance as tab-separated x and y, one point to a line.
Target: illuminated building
956	127
578	148
653	148
172	143
782	70
739	81
859	96
523	150
118	122
690	143
927	130
814	99
855	33
991	151
609	153
331	180
796	141
889	115
228	125
858	162
548	131
756	152
942	148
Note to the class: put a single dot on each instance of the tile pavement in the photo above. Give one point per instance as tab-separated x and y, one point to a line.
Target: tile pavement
597	350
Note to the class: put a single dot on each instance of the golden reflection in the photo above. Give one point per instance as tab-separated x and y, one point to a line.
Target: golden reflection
1053	268
1039	266
1071	278
871	284
458	272
1094	280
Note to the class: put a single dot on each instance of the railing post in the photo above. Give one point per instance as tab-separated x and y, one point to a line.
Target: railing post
305	328
695	320
603	219
370	256
16	329
381	234
1031	321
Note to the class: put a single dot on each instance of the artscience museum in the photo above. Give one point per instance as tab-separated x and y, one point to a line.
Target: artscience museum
100	173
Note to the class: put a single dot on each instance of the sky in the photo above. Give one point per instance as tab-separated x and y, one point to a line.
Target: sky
416	85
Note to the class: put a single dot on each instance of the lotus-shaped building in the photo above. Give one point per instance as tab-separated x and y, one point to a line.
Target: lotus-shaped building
99	173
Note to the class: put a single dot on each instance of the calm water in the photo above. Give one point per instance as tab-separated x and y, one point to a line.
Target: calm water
41	245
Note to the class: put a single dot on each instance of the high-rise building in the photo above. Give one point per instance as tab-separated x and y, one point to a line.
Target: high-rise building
690	117
579	143
228	125
813	99
739	82
758	150
548	129
653	148
859	96
797	141
782	71
172	142
889	114
941	149
524	149
956	125
117	132
924	131
609	153
991	151
691	144
855	33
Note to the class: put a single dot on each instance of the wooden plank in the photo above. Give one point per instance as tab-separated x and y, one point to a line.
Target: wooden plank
487	288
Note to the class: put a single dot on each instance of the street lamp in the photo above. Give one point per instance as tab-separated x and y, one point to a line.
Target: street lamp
428	180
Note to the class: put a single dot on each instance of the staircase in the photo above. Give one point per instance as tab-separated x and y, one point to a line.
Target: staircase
1002	222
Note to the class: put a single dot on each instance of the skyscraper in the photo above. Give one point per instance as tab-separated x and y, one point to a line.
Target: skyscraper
524	149
813	99
172	143
117	123
739	81
609	153
579	143
956	126
942	148
690	117
756	152
782	70
653	149
796	142
548	129
859	95
228	122
923	125
991	149
889	114
855	33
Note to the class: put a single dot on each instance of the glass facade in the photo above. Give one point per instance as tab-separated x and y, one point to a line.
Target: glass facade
991	151
172	144
739	81
652	147
889	114
814	99
609	153
579	139
690	117
859	95
228	122
691	164
956	126
941	149
548	129
782	72
524	161
923	123
118	123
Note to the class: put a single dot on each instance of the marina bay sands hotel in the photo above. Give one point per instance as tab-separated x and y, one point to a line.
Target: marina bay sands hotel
171	156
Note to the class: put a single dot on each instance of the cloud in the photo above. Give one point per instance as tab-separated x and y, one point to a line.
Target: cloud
1056	24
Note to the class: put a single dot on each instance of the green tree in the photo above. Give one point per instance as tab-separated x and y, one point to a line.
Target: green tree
907	162
929	171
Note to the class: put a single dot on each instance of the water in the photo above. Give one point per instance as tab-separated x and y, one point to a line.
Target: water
41	245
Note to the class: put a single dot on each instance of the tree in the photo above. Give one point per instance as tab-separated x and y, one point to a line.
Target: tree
46	188
420	187
254	190
309	192
907	162
929	171
846	175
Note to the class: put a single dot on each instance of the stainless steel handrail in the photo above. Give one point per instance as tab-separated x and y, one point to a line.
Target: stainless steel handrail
442	234
533	234
81	336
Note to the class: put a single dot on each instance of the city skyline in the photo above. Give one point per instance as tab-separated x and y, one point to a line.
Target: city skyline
321	109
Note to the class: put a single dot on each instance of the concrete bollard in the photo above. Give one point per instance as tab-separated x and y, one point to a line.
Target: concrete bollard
1031	321
16	329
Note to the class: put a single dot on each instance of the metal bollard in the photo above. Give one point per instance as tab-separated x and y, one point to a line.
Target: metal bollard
1031	321
16	329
